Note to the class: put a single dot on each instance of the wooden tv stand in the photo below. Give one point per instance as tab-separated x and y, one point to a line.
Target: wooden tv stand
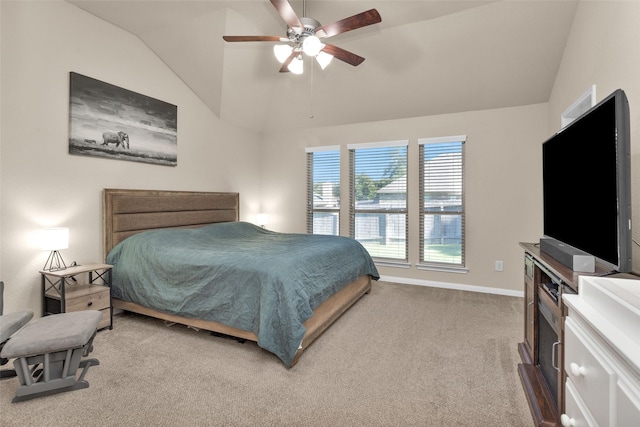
539	269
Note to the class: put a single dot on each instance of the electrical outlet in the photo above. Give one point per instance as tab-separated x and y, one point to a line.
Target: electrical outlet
499	266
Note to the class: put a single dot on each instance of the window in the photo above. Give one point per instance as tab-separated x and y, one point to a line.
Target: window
442	201
323	190
378	198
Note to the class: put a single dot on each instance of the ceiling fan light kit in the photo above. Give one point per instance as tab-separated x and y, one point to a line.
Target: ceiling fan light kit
311	45
295	66
323	59
282	52
306	35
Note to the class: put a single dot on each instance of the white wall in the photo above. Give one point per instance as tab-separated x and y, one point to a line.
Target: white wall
503	185
604	49
42	185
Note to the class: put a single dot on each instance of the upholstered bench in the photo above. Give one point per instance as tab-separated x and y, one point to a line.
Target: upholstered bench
48	353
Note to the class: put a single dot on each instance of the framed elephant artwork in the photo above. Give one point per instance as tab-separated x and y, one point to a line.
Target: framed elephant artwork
115	123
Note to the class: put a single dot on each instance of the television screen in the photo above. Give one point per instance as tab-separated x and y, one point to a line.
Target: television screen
586	183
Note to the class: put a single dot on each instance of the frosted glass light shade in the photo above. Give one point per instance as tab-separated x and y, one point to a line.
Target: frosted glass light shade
312	45
323	59
53	239
296	66
282	52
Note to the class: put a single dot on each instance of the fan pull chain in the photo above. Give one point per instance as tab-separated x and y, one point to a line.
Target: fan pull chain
311	91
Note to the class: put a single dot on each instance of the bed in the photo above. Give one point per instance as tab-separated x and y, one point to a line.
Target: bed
281	303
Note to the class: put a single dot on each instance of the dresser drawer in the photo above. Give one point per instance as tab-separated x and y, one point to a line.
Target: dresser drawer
87	297
575	414
594	380
628	408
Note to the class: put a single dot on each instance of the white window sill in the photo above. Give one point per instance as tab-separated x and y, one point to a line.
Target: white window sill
446	269
394	264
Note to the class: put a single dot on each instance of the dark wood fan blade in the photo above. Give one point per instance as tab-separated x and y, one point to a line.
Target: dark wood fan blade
343	55
285	64
347	24
288	14
254	39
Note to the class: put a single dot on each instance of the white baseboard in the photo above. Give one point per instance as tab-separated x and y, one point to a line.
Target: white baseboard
456	286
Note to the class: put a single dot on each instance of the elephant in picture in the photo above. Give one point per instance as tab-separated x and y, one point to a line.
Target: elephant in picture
118	138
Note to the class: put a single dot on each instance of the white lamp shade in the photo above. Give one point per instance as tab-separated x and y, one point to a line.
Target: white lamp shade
53	239
312	45
323	59
282	52
262	219
296	66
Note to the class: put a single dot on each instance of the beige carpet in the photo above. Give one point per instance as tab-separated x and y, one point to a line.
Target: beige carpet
402	356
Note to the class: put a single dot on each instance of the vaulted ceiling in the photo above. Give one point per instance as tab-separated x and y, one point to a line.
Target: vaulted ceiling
426	57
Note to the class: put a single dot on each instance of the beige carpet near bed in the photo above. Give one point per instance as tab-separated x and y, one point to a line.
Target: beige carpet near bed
402	356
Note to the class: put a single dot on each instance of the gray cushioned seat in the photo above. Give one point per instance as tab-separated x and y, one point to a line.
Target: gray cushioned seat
53	333
47	352
12	322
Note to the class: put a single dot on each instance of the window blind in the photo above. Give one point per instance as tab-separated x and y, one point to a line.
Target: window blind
378	198
323	190
442	215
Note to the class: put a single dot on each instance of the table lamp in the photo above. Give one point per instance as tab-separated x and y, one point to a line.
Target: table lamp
54	239
262	219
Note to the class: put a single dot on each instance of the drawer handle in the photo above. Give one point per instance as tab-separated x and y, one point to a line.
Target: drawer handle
577	370
567	421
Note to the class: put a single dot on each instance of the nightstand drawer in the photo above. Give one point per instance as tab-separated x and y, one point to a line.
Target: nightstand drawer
87	297
106	319
77	288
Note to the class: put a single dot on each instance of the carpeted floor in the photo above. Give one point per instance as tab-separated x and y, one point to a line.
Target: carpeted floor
402	356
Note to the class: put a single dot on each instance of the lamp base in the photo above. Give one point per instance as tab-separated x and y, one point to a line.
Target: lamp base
54	262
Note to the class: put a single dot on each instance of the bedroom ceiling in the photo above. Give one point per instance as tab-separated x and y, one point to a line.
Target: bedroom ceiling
426	57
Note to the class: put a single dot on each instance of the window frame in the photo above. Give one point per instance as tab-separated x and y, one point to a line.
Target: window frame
424	211
353	211
311	208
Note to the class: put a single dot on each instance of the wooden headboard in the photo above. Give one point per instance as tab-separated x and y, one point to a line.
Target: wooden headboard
127	212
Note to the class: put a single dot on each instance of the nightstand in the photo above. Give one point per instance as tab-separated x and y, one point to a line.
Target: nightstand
81	287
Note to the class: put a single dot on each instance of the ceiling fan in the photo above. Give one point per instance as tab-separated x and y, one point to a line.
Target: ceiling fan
306	35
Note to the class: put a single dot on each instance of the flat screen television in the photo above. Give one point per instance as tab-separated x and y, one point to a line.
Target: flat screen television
587	183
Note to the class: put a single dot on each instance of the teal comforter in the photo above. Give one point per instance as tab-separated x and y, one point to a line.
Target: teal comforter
240	275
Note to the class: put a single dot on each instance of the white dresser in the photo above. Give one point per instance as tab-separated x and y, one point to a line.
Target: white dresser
602	354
